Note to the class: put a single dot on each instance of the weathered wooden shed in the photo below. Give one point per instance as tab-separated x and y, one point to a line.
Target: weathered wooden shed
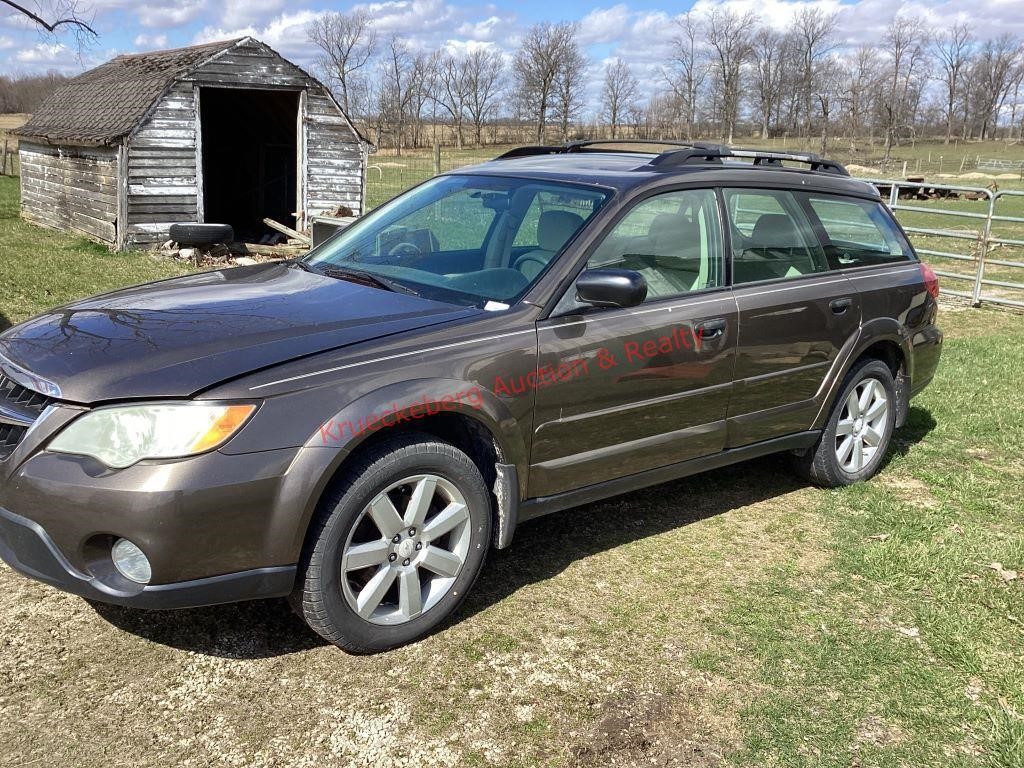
227	132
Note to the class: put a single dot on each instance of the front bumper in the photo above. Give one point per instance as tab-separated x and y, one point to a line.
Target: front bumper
216	528
27	548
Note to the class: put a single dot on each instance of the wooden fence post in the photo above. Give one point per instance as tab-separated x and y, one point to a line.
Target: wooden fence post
3	162
437	158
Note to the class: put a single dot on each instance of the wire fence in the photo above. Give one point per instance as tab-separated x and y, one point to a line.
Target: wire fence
389	174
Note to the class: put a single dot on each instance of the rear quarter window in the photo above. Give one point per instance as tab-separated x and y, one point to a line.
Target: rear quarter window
860	232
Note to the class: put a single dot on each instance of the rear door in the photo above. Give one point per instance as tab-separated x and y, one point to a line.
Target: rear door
795	314
624	390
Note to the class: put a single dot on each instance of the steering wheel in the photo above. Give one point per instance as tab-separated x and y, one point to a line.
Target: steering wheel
403	249
526	258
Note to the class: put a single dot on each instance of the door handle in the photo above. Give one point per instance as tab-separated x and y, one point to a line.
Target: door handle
839	306
711	329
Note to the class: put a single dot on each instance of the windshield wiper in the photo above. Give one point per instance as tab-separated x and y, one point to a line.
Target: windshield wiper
359	276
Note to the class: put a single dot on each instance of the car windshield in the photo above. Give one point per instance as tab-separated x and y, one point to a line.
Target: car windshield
462	239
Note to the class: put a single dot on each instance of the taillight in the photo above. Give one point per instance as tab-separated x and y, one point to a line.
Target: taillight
931	280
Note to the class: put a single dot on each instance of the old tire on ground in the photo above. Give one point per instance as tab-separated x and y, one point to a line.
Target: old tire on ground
191	235
395	546
856	436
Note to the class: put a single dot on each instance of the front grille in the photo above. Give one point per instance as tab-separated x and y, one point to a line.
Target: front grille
13	393
22	401
10	436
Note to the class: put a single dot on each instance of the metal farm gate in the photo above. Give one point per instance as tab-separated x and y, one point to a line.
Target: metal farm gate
970	235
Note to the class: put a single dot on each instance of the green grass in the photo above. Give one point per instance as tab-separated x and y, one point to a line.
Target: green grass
41	268
736	618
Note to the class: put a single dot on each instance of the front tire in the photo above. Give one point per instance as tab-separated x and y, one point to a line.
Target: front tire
854	441
396	547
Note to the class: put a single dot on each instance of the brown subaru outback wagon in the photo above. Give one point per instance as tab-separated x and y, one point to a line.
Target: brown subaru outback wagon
357	428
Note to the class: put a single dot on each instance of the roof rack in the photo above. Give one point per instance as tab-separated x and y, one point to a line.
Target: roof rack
685	153
699	152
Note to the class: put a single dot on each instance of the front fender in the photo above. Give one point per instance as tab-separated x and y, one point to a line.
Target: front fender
317	461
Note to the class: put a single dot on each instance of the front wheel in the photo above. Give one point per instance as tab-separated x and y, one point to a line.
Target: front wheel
855	438
396	548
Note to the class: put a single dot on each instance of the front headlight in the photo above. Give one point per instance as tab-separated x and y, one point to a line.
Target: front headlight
123	435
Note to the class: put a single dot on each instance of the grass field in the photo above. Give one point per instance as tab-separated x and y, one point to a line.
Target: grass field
738	618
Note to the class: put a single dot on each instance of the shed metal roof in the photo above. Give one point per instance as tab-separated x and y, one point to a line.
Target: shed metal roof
101	106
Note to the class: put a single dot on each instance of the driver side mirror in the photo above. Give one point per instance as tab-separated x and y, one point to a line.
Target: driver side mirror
611	288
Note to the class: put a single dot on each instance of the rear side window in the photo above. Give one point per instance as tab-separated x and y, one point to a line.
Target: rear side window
860	232
771	236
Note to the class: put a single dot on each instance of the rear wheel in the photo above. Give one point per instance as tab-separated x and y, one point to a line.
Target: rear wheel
394	551
857	434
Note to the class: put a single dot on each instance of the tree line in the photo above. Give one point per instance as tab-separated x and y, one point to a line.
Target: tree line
726	75
24	93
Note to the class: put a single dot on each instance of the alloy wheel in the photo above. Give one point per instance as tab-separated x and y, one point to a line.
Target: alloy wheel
406	549
861	425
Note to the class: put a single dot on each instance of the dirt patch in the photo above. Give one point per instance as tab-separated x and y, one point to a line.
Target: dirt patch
655	729
876	732
912	491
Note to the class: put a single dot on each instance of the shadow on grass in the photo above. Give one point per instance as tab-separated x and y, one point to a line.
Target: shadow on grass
542	549
4	322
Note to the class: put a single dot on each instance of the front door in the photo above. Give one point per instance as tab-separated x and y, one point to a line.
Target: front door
795	315
624	390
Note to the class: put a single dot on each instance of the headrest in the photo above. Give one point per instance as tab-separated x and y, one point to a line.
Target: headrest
554	228
775	230
674	229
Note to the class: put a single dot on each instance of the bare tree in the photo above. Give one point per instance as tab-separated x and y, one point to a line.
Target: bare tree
729	35
689	68
54	16
397	87
862	78
348	41
953	51
484	71
766	56
570	85
814	34
453	92
997	63
903	42
619	94
539	68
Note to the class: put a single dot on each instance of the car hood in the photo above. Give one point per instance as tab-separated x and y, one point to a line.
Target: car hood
177	337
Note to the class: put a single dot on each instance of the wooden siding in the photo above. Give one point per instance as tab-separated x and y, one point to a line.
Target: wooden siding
162	169
334	167
250	65
161	173
73	189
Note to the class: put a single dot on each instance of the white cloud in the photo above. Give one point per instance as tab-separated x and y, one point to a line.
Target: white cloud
604	25
171	16
286	34
150	43
484	30
245	12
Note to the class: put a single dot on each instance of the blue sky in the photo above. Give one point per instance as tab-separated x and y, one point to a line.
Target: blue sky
638	30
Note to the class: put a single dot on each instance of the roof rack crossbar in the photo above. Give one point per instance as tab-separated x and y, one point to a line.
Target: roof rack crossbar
715	153
686	153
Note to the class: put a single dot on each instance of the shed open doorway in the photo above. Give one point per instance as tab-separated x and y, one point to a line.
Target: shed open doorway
250	158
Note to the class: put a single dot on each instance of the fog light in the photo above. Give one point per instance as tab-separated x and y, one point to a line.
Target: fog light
130	562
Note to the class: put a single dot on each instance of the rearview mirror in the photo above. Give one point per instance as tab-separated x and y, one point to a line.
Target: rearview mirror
611	288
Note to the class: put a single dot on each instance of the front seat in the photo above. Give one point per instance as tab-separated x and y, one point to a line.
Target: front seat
554	228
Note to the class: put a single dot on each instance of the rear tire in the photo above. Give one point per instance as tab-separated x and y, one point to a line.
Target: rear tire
396	546
856	436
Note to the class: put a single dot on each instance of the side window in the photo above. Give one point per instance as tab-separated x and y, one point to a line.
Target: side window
771	237
860	232
673	240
